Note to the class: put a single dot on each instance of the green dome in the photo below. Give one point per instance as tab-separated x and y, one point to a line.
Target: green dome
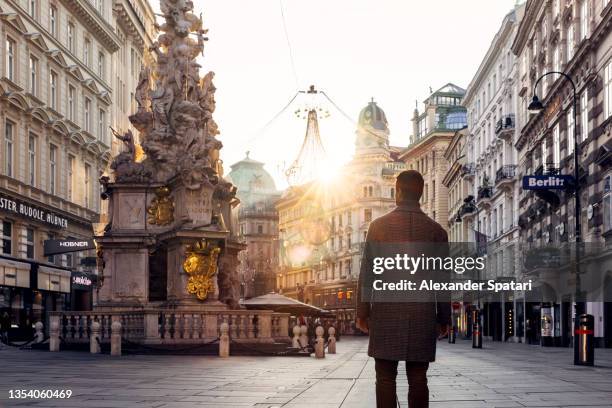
254	183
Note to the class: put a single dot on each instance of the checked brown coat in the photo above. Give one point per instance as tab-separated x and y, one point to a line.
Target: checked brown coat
402	331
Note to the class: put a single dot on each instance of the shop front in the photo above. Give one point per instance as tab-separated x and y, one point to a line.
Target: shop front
339	299
81	294
28	291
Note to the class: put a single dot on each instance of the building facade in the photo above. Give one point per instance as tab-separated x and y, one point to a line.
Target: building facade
56	104
572	36
433	130
491	163
257	226
459	183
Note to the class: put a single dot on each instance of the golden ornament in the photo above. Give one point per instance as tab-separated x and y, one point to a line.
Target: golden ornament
161	210
201	264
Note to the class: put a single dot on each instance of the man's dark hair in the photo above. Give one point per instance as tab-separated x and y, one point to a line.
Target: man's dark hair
409	185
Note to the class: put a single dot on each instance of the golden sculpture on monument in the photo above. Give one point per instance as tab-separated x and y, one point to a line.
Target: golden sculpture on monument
161	209
201	265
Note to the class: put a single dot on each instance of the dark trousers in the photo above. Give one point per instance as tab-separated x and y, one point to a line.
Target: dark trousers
386	373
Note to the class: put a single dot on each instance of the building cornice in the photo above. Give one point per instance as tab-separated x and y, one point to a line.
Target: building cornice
131	23
94	23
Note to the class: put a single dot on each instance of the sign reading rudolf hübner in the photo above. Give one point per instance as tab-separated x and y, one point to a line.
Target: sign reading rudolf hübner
32	212
547	182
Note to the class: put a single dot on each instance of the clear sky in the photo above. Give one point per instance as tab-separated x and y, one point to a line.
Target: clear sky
392	50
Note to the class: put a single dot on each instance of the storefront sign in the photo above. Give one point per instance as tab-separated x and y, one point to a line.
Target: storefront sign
34	213
542	182
62	246
81	281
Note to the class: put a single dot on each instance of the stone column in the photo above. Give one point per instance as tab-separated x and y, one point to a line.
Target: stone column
151	326
116	336
265	326
224	341
94	345
54	332
319	343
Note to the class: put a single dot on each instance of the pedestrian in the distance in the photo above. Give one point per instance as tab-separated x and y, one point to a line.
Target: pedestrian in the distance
402	331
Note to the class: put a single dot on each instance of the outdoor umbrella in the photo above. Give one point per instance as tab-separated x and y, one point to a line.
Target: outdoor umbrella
279	303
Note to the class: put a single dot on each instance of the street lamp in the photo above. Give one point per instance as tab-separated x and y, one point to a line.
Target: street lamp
536	106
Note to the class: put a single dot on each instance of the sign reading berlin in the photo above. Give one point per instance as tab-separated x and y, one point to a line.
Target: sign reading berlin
31	212
547	182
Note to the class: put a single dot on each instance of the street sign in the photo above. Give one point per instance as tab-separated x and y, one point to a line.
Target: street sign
548	182
62	246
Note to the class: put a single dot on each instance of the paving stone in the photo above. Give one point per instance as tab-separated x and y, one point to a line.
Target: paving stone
500	375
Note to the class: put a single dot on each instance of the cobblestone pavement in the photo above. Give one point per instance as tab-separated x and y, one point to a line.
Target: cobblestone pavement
501	375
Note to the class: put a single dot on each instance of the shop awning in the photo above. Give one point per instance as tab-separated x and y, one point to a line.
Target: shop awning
53	279
14	273
284	304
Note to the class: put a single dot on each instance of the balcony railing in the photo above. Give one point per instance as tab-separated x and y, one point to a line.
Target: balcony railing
506	172
467	208
468	169
505	123
548	169
485	193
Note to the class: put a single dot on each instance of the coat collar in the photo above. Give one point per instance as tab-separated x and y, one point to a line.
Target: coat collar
409	205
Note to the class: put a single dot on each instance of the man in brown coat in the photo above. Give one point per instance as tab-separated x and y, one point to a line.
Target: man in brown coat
402	331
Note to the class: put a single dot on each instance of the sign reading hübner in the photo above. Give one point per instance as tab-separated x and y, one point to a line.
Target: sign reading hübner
550	182
34	213
62	246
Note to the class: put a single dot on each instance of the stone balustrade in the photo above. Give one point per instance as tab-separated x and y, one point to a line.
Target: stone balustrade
76	327
171	326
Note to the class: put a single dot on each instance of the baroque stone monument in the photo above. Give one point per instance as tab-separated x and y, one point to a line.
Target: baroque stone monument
166	243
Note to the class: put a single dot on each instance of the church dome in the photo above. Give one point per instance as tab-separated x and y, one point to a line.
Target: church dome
373	116
254	183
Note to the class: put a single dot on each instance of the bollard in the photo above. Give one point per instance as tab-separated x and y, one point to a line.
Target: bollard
296	336
54	331
584	354
452	335
304	335
319	343
476	330
94	338
40	335
331	342
224	340
116	338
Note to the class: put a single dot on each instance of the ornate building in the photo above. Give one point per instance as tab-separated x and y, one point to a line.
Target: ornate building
572	36
257	226
433	130
57	79
491	162
323	225
458	182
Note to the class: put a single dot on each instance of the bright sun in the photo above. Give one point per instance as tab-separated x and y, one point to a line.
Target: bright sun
328	171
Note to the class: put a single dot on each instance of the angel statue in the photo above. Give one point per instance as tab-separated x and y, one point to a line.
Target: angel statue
143	88
128	141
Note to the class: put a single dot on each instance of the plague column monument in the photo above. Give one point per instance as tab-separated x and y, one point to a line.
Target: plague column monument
166	244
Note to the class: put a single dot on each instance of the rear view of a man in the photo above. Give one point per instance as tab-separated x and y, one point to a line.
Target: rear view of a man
402	331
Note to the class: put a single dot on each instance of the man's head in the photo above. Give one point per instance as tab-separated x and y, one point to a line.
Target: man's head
409	186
